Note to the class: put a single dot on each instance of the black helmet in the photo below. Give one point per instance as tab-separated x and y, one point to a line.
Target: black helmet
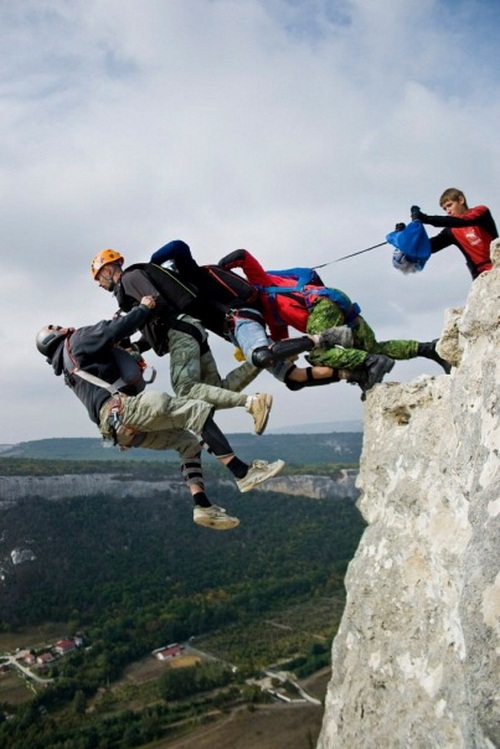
49	338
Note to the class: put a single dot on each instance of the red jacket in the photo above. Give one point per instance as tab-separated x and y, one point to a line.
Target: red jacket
290	309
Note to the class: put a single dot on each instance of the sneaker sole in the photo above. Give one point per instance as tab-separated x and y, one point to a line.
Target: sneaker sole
275	471
269	403
218	525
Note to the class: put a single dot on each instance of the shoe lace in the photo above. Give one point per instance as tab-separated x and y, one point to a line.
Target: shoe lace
260	464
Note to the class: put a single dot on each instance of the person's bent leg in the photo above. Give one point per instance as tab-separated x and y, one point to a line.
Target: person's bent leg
240	377
251	337
429	351
154	411
247	476
325	315
193	372
205	513
298	378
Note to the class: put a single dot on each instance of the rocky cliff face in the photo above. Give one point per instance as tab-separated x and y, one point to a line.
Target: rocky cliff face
416	660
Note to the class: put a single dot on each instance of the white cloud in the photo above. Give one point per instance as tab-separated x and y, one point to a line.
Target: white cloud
300	130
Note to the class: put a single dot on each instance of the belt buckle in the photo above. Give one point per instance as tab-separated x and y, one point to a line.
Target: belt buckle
116	405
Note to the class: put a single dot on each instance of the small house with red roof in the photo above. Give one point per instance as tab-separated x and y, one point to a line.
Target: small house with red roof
64	646
168	652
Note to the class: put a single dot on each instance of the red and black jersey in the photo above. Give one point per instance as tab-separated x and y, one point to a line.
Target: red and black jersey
472	233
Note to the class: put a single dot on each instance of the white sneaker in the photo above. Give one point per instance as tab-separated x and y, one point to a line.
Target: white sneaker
214	517
260	408
258	472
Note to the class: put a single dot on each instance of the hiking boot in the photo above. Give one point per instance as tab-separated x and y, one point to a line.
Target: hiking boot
354	376
214	517
374	368
428	351
260	408
338	336
377	365
258	472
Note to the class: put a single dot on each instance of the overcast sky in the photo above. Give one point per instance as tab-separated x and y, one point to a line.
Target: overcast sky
301	130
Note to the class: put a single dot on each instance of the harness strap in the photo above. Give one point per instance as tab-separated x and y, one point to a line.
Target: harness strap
350	310
124	435
243	313
74	369
114	419
246	313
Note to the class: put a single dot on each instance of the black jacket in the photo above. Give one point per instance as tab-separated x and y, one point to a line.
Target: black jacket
171	300
92	348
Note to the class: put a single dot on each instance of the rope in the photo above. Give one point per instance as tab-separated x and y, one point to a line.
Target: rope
360	252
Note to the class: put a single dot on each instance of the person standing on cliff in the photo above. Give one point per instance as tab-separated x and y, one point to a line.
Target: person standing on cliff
471	229
109	383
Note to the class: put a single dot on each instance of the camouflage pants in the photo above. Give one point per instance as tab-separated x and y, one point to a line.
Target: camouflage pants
326	314
195	375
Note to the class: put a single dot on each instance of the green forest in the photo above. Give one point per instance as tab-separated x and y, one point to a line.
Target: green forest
297	449
132	575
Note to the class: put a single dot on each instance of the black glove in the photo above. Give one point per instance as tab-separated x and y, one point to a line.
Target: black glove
400	226
341	335
416	213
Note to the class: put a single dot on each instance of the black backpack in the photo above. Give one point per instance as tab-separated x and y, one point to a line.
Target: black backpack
176	292
218	287
223	287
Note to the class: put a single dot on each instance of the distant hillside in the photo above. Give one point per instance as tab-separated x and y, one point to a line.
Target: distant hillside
335	447
320	427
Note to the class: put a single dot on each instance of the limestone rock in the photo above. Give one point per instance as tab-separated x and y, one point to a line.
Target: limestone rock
416	660
340	485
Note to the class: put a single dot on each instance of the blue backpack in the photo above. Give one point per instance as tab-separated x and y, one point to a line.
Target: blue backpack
412	248
303	277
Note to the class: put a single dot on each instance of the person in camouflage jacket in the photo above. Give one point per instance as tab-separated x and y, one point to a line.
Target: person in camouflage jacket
343	338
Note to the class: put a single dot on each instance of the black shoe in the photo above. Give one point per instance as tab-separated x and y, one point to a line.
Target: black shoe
374	368
359	377
428	351
378	365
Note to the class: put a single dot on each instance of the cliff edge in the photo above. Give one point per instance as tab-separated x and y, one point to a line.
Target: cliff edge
416	661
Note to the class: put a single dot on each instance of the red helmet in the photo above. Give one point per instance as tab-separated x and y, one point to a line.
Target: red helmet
104	257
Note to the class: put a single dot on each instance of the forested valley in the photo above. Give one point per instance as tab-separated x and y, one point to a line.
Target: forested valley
130	576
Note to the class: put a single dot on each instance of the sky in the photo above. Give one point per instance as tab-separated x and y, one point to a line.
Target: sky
301	130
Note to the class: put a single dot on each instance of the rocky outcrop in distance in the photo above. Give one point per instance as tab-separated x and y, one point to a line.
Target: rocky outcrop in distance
415	663
13	488
66	486
342	485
